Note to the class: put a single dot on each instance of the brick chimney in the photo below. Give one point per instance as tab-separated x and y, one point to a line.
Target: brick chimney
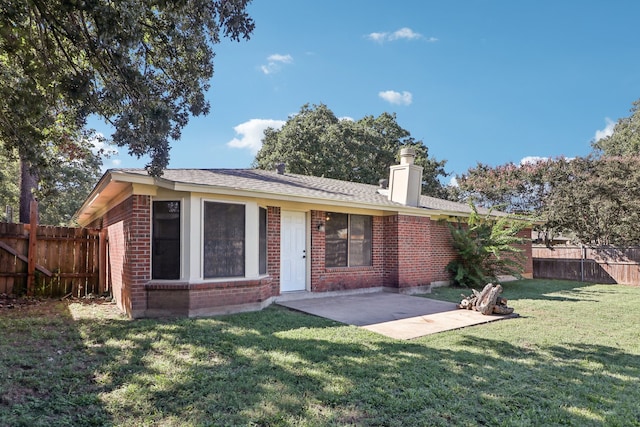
405	180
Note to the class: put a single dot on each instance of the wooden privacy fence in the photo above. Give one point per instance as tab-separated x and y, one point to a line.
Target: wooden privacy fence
50	261
587	264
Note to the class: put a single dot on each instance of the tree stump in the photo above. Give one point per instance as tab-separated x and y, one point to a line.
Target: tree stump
487	301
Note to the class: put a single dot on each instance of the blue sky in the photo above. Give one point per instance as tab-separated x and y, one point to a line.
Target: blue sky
477	81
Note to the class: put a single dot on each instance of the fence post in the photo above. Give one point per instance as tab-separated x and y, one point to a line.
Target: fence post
32	248
583	255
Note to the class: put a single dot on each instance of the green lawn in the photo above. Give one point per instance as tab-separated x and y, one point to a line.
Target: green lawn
572	358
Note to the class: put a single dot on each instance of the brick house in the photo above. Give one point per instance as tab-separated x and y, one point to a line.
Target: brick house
199	242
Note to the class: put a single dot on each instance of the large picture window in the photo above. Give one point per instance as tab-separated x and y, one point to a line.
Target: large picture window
165	245
224	240
347	240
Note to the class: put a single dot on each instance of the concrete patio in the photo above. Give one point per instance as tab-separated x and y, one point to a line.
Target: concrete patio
391	314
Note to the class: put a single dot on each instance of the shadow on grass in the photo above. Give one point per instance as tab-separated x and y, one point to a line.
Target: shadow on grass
285	368
540	290
279	367
46	374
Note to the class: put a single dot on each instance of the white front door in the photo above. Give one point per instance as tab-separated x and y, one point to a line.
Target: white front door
293	257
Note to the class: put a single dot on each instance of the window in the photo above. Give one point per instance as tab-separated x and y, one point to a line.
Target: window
224	240
262	268
359	240
347	240
165	246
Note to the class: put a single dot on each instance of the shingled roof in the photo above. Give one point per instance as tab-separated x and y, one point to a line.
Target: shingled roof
290	185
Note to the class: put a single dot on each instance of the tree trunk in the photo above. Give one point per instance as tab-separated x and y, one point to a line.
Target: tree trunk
28	183
487	301
487	298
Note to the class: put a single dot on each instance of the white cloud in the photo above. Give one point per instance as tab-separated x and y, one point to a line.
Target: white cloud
252	132
393	97
607	131
108	152
531	160
275	63
378	37
100	144
453	182
404	33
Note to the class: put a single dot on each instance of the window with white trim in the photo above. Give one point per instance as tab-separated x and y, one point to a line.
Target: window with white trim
223	240
165	242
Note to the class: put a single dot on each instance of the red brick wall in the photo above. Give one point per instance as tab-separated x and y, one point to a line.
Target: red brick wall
527	251
138	260
115	266
442	251
409	239
417	251
408	251
129	231
390	250
184	299
114	221
273	248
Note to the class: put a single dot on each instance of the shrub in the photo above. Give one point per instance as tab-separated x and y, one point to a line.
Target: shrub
486	248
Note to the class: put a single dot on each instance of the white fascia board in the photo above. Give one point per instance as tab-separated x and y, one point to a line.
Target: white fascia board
95	193
121	176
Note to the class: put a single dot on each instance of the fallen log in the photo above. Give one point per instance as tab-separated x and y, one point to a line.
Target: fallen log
487	301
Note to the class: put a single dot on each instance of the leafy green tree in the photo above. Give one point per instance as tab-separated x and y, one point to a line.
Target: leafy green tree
68	184
63	185
144	66
597	199
487	248
513	188
625	139
594	199
9	188
315	142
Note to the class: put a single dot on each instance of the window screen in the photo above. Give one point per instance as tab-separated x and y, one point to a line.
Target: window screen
336	238
347	240
224	240
165	258
263	241
360	240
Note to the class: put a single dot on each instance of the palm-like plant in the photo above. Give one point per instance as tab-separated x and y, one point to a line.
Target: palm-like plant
487	247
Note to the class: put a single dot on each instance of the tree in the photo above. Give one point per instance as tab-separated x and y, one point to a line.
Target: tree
512	188
62	187
315	142
625	139
144	66
68	184
9	188
597	199
487	247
